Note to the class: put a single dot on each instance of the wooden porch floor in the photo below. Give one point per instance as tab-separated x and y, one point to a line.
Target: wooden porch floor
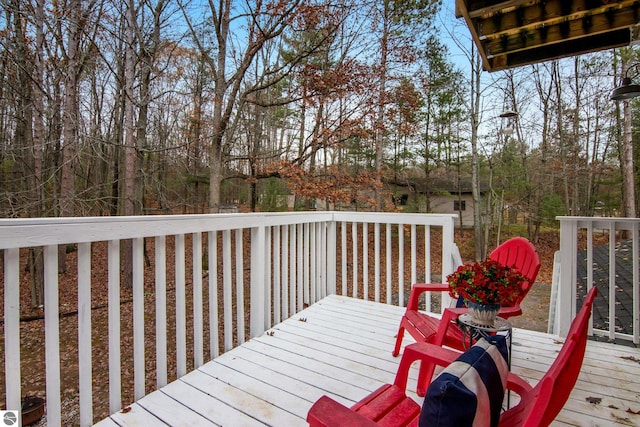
342	347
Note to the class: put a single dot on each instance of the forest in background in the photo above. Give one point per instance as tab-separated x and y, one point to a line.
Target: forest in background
140	107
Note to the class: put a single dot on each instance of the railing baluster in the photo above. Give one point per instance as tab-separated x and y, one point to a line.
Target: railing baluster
181	311
84	334
636	286
227	296
292	269
365	261
313	292
376	250
427	264
389	255
323	256
400	265
300	259
414	255
161	310
307	265
213	294
268	252
612	281
239	287
343	251
12	328
138	318
331	256
589	266
284	274
321	259
276	274
257	282
52	335
198	328
115	378
354	254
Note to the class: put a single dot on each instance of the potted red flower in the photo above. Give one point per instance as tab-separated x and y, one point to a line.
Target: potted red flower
486	286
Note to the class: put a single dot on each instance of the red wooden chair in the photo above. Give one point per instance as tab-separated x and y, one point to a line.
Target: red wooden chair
538	406
517	252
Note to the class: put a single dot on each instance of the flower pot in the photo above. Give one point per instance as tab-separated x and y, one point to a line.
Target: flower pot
32	409
483	314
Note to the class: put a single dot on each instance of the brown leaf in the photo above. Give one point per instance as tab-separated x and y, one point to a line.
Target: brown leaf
594	400
631	411
127	409
631	358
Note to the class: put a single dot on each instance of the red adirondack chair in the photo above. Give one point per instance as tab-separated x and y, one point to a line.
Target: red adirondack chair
517	252
538	406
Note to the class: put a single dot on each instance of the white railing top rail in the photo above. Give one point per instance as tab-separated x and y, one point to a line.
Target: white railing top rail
27	232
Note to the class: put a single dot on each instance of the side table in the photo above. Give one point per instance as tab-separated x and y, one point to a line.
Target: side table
471	331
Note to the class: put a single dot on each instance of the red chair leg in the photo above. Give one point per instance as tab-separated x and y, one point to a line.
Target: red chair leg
424	377
399	337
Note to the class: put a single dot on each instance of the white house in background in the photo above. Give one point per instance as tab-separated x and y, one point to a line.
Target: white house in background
444	195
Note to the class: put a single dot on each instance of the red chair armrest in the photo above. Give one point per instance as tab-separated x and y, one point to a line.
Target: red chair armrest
326	412
518	385
418	289
424	352
447	318
506	312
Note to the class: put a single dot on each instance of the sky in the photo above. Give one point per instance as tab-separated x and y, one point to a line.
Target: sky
456	36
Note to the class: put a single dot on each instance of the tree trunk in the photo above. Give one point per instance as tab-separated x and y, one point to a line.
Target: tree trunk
382	89
475	173
37	294
627	165
70	121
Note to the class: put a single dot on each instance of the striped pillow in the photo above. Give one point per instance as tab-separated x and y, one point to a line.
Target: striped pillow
469	392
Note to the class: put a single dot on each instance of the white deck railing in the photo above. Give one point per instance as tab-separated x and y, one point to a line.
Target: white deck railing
293	259
567	268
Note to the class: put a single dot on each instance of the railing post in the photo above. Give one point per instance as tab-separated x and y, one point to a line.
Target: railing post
258	269
448	231
566	302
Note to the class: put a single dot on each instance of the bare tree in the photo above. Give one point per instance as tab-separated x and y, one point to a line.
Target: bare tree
264	21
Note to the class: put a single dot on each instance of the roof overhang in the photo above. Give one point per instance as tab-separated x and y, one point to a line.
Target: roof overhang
520	32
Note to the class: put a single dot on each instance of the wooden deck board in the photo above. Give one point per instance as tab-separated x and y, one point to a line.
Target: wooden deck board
342	347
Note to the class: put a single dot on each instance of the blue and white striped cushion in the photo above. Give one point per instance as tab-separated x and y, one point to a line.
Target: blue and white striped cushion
469	392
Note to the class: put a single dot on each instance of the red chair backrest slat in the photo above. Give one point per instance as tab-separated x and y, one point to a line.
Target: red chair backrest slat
519	253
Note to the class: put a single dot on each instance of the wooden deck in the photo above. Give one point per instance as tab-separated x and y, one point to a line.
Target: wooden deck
342	347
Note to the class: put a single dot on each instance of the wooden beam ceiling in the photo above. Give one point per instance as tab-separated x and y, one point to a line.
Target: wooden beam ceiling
520	32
